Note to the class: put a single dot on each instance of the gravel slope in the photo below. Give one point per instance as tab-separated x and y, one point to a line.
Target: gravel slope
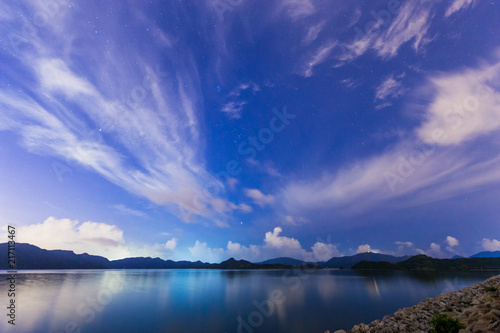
476	307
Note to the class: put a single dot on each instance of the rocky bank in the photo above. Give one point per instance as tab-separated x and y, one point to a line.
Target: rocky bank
477	307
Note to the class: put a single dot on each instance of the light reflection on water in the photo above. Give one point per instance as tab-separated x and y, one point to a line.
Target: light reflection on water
213	300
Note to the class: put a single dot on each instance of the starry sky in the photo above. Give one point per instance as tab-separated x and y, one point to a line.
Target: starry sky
251	129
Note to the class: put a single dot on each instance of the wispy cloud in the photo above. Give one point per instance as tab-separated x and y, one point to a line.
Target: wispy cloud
458	5
388	34
235	104
313	32
432	162
316	58
298	9
465	106
258	197
135	123
388	89
122	209
291	220
408	244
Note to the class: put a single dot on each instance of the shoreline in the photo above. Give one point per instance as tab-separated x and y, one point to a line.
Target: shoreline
477	307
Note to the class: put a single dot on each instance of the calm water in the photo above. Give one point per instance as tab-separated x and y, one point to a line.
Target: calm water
212	300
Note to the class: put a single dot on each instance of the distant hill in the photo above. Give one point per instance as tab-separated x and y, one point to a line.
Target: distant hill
349	261
32	257
154	263
486	254
286	261
423	262
243	264
457	257
338	262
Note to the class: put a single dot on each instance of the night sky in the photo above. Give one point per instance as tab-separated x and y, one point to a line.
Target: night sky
251	129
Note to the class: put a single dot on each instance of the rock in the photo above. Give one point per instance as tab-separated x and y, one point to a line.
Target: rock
473	306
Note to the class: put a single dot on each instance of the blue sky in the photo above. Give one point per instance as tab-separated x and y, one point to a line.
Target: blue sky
251	129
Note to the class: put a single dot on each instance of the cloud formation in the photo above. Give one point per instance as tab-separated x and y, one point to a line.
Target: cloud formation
390	88
432	162
140	132
122	209
452	244
465	105
491	244
392	28
274	245
366	248
95	238
258	197
458	5
434	251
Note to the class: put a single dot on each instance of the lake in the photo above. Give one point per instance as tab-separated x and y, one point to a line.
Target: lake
216	300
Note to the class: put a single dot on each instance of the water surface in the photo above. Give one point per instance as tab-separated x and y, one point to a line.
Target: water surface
216	300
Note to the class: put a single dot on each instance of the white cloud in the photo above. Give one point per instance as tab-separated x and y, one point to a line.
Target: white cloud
141	131
235	105
200	251
366	248
404	248
273	246
298	9
458	5
244	208
466	105
452	244
273	239
312	32
416	170
411	24
408	244
231	183
317	58
491	244
324	252
452	241
94	238
291	220
233	109
267	167
55	75
258	197
171	244
433	251
122	209
224	206
389	89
